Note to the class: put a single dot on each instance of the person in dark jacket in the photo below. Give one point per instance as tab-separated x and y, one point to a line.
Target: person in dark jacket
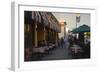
62	42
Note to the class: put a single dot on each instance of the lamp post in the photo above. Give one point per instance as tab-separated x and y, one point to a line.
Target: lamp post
65	28
77	19
35	30
77	23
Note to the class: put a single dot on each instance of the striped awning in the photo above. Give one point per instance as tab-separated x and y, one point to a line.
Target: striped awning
55	26
45	18
36	16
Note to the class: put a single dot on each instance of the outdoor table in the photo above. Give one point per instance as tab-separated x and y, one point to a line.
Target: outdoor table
76	49
42	50
35	50
50	47
46	48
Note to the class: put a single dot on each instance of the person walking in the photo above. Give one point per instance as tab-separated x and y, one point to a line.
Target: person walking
62	43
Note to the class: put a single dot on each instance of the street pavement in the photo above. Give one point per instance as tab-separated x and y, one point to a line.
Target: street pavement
59	54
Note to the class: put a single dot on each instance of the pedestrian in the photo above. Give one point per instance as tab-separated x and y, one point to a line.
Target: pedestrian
62	43
59	44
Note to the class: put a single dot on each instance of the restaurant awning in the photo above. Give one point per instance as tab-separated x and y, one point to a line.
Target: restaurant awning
43	18
83	28
54	26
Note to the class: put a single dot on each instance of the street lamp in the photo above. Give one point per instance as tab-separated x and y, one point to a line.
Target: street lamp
65	28
77	19
77	22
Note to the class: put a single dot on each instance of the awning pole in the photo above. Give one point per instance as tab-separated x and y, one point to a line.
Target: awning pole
44	34
56	39
35	35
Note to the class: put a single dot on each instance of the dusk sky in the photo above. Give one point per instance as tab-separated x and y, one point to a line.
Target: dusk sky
70	19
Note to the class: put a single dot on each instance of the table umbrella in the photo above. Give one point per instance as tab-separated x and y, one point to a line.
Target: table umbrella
83	28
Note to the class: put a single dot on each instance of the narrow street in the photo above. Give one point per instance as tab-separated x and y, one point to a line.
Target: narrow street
58	54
